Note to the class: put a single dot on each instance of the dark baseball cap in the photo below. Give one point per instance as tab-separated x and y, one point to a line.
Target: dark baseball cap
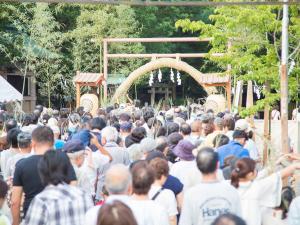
72	146
239	134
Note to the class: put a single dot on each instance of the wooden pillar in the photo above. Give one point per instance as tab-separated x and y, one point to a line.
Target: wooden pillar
174	92
77	95
228	87
167	93
228	93
105	70
267	127
249	102
152	96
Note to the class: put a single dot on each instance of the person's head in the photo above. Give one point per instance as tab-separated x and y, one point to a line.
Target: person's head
135	152
136	136
39	108
245	169
185	129
162	131
3	192
242	124
229	219
174	138
109	134
12	137
207	125
161	169
172	128
24	141
196	127
184	150
207	161
97	123
27	120
10	124
148	114
118	180
162	144
53	168
228	124
250	134
124	117
75	151
35	116
218	124
147	145
240	136
115	213
125	127
142	178
45	118
42	136
287	196
220	140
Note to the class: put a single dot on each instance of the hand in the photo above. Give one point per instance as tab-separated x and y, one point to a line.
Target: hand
292	156
94	140
281	159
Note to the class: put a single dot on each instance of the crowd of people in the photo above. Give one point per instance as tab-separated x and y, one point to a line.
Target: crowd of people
131	165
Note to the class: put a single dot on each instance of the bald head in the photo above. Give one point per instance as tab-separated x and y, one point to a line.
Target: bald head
196	126
207	160
118	180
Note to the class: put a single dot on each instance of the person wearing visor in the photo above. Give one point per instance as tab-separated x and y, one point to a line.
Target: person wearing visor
81	160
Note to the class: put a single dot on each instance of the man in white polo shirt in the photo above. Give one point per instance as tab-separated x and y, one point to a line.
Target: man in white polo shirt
211	198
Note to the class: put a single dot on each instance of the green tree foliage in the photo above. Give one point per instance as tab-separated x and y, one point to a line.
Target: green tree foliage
48	66
254	33
96	22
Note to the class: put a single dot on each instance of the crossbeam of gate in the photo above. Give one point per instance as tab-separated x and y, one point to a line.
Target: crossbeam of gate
107	55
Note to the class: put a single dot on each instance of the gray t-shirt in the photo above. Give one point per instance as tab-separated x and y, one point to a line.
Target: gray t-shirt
206	201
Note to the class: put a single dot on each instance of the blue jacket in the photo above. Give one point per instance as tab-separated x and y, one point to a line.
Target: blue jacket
232	148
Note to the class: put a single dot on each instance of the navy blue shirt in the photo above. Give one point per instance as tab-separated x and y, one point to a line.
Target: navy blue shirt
172	183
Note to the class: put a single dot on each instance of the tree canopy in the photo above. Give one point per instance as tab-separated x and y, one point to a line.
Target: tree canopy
250	37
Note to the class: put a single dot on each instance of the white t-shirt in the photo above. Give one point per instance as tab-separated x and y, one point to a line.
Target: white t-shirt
166	198
99	159
251	147
86	178
206	201
257	195
294	212
11	164
5	156
188	173
148	212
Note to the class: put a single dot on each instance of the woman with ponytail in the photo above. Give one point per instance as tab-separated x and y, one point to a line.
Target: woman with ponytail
258	194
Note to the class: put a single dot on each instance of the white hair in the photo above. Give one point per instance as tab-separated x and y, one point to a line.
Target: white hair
110	134
135	152
75	155
117	179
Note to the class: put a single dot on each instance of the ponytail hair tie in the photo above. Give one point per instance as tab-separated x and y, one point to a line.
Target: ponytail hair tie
237	170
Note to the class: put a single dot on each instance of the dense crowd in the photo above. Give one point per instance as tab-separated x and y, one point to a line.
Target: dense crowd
129	165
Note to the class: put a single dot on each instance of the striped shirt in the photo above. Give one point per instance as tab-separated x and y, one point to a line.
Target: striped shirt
61	204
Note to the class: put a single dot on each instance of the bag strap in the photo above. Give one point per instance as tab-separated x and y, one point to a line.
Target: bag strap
157	193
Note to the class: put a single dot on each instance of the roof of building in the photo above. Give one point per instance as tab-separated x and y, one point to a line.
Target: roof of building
88	78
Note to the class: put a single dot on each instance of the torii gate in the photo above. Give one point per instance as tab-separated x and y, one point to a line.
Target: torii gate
164	60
